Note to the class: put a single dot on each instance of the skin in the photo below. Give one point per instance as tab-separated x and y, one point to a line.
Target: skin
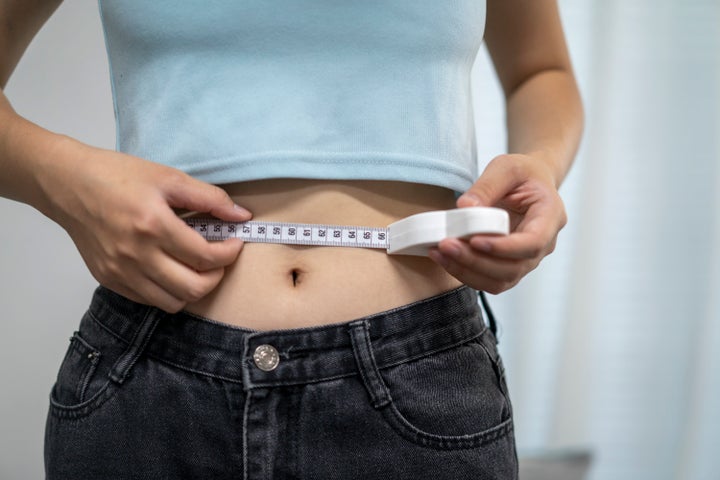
544	122
133	242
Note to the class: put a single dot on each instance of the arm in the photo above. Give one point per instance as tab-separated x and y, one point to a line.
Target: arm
544	112
544	122
20	20
118	209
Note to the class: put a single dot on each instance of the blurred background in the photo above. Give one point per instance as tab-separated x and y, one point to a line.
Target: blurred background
612	346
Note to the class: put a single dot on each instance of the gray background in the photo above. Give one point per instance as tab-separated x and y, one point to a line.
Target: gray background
61	84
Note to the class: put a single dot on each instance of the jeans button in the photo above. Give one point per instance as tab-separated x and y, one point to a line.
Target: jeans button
266	357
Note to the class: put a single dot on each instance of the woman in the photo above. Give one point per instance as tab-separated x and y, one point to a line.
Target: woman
216	360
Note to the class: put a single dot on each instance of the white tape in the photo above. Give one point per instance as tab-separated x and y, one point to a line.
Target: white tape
413	235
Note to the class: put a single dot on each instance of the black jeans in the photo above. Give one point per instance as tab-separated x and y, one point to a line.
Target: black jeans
417	392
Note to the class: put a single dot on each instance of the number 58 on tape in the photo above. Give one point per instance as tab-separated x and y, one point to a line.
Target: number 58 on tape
412	235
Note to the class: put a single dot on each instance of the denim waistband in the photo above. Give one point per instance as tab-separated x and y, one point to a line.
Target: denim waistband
304	355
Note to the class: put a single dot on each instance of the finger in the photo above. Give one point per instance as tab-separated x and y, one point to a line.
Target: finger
479	265
147	292
475	279
534	237
189	247
516	246
188	193
496	180
184	283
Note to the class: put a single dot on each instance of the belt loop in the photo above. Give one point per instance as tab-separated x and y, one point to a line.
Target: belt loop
246	359
127	360
489	314
362	348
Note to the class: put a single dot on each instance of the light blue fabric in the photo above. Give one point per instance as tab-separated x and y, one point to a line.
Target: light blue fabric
230	90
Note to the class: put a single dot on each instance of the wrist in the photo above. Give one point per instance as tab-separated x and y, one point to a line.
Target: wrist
39	162
24	152
57	167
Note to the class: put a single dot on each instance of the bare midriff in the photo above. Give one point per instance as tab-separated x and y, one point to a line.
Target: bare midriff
272	286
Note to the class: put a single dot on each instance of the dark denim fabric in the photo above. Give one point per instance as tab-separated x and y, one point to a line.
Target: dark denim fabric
417	392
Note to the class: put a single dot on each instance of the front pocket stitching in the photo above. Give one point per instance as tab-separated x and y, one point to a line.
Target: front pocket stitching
85	408
81	347
87	376
409	431
472	440
499	370
475	338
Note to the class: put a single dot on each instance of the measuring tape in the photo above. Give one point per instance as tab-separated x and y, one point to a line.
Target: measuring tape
413	235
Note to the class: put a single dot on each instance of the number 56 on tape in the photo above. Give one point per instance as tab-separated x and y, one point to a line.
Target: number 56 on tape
412	235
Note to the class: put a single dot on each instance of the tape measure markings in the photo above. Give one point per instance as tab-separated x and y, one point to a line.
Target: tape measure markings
292	233
412	235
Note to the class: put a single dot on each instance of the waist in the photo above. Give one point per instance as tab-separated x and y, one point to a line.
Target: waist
273	286
296	356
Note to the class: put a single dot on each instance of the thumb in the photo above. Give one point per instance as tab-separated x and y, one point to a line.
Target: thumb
195	195
491	187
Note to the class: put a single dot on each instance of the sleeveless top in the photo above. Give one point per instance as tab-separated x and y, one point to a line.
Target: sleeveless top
235	90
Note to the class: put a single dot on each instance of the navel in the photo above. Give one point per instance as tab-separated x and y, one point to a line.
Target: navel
296	273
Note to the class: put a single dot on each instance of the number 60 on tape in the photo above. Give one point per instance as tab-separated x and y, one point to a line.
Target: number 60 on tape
412	235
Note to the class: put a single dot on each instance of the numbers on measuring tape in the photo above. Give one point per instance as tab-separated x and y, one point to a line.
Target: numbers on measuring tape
291	233
413	235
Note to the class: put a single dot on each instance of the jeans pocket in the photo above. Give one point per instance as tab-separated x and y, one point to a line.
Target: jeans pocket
455	398
489	344
83	380
76	371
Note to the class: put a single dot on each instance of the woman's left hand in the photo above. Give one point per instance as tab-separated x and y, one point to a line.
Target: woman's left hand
524	186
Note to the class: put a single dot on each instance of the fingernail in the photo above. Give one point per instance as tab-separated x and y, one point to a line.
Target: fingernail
452	251
242	210
483	246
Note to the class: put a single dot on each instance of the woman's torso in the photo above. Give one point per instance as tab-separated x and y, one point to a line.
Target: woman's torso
272	286
233	91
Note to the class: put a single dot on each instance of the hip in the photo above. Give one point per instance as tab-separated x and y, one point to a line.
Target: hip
186	398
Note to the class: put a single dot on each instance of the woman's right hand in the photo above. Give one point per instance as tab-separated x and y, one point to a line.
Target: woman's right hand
118	210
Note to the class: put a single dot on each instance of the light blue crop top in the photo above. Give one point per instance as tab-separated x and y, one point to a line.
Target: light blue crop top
234	90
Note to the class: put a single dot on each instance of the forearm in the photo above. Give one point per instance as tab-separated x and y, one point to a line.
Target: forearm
28	155
545	120
27	151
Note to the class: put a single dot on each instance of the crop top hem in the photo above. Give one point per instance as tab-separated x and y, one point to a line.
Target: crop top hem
332	165
229	91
